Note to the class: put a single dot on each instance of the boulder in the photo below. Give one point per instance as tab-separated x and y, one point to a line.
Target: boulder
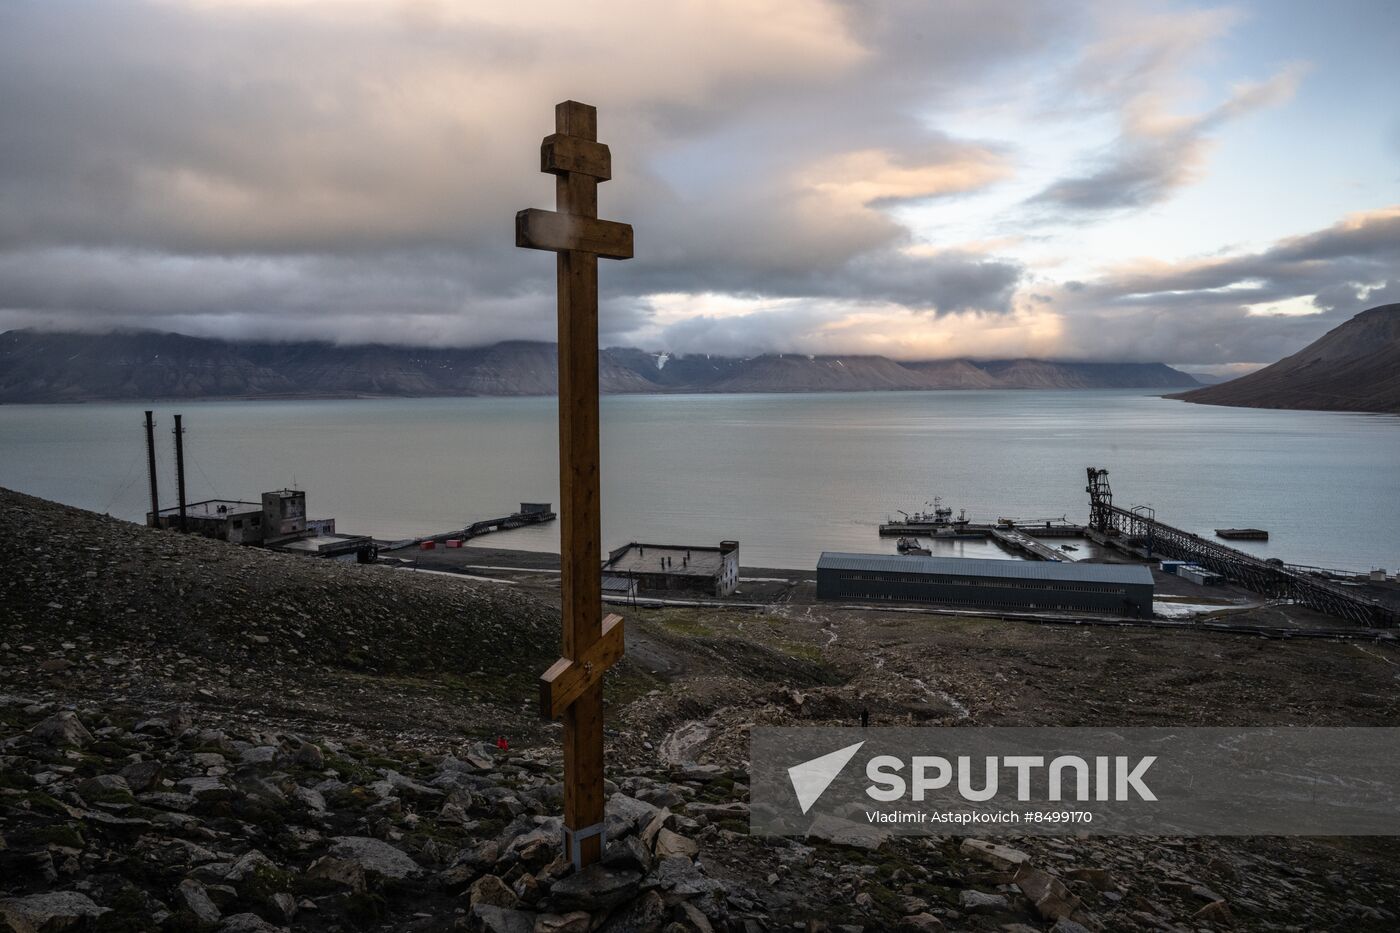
628	852
492	919
12	921
310	798
578	921
105	788
155	726
847	833
625	815
205	789
548	833
690	771
998	856
982	902
340	871
407	786
661	797
680	878
165	800
249	864
1098	878
141	776
644	915
669	844
193	853
662	819
259	755
595	888
286	904
453	813
63	728
734	810
693	919
1066	925
1217	912
310	756
490	889
196	899
375	856
248	923
56	910
1051	898
478	757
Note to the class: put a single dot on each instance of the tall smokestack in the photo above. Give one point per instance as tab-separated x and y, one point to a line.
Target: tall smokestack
180	468
151	469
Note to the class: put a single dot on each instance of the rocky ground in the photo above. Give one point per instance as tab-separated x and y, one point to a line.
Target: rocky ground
195	736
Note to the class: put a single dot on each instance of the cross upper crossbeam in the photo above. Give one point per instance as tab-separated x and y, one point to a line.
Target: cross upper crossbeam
563	153
537	229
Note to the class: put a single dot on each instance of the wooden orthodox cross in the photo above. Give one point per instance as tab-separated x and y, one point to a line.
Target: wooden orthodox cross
573	686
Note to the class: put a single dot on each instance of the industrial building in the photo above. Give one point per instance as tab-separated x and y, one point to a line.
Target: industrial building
616	587
331	545
711	571
284	515
279	521
232	520
963	582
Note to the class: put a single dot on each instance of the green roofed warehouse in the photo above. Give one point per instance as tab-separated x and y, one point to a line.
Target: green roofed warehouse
963	582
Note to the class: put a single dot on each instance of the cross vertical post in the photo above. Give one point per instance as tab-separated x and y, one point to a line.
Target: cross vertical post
572	688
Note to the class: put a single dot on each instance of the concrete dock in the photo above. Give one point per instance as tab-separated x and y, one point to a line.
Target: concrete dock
1017	540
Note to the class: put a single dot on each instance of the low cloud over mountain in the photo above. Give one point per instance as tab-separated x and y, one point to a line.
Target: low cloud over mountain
991	178
54	367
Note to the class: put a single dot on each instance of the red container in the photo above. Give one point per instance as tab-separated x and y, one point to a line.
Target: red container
427	545
454	542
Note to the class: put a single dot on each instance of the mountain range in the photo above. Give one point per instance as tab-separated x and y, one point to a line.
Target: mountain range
1353	367
38	366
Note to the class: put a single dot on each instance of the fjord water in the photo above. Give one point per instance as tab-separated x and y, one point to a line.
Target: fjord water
787	475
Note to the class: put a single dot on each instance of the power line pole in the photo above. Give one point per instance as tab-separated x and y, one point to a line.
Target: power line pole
154	521
180	468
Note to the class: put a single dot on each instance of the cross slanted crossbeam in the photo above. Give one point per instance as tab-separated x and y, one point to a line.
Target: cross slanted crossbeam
572	688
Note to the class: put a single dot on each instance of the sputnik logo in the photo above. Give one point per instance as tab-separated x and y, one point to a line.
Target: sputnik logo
811	778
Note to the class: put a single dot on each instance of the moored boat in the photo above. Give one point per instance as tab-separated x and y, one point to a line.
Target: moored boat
1242	534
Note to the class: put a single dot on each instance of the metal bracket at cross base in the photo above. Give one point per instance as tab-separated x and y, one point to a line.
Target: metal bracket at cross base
573	842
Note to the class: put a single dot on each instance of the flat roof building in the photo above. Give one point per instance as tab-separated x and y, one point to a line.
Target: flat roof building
284	515
1056	586
232	520
331	545
279	519
713	571
619	586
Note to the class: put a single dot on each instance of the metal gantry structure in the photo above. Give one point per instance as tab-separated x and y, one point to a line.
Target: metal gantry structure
1274	580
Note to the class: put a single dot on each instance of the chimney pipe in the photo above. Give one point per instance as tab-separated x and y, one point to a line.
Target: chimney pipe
154	521
180	468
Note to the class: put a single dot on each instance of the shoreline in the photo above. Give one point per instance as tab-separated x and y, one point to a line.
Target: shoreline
1151	391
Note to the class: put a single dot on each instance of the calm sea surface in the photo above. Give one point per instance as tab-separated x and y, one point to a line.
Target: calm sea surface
788	475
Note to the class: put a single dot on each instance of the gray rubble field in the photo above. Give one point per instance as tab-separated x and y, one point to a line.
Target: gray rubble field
161	770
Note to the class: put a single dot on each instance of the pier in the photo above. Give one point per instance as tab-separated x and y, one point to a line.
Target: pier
531	513
1015	539
1050	529
1138	532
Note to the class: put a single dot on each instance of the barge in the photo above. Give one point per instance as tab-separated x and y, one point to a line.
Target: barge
1242	534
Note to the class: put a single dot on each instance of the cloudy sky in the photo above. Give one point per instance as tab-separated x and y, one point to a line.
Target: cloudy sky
1204	184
